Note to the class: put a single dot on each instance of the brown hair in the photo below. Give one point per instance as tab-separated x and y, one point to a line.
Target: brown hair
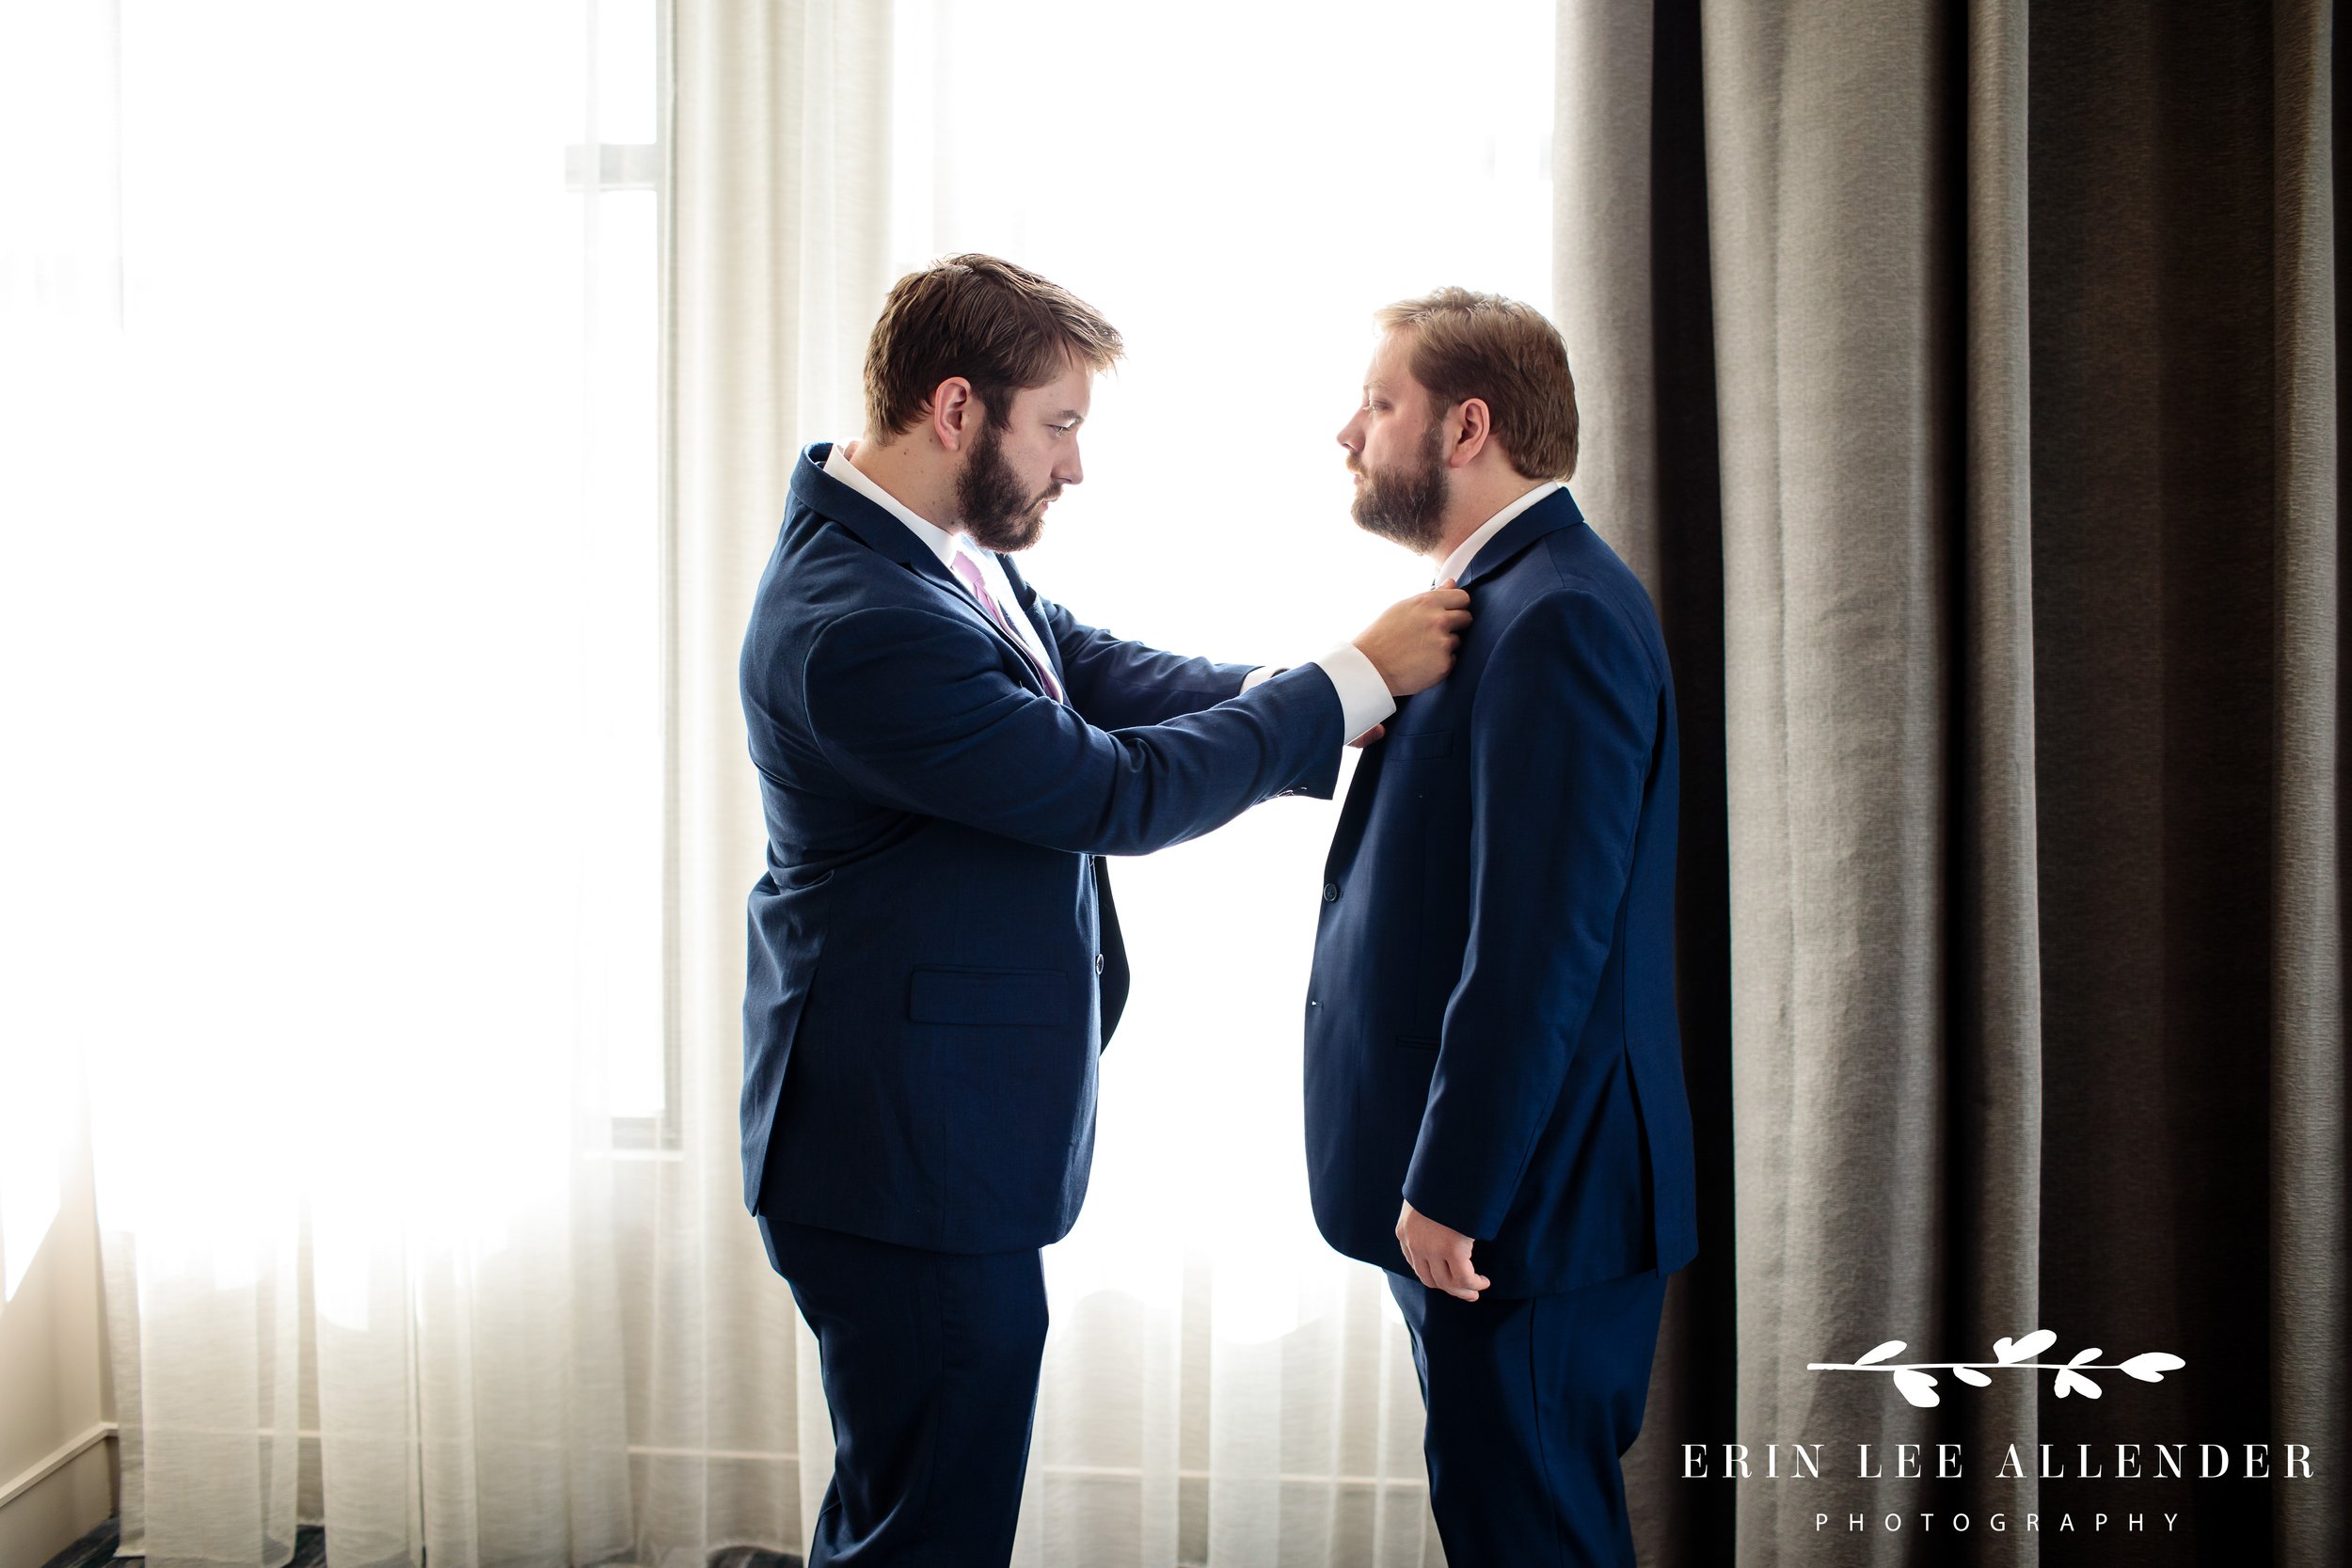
1484	346
998	325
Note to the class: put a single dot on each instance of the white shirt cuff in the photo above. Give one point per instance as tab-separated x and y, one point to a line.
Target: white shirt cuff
1264	671
1364	699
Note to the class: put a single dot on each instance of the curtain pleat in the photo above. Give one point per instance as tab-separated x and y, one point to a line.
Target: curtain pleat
2309	1325
776	269
1603	299
2154	563
1631	297
350	1158
1994	1038
1832	251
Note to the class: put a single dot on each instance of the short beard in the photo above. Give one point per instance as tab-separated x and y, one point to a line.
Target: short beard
1408	506
989	500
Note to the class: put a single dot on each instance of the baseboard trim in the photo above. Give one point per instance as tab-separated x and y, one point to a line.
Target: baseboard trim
64	1456
48	1508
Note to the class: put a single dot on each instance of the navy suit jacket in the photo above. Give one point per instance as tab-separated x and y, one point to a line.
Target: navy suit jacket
934	962
1490	1024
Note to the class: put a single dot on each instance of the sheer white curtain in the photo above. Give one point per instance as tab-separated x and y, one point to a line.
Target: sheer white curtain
307	512
780	180
389	751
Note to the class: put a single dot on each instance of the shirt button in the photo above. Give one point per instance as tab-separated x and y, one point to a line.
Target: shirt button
1098	964
1330	892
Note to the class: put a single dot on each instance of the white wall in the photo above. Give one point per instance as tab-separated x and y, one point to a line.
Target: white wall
60	306
56	1473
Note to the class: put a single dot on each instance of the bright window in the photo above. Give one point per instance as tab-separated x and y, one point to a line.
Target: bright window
1237	187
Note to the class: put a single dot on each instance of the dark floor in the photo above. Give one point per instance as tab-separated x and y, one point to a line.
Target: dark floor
752	1556
97	1551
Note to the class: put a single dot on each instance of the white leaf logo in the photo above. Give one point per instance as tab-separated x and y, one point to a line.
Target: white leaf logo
2074	1383
1915	1381
1917	1386
2151	1365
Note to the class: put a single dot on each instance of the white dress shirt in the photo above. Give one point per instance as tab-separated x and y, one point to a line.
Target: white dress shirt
1364	699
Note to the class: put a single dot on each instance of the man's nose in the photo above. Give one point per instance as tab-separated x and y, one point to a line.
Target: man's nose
1070	471
1347	433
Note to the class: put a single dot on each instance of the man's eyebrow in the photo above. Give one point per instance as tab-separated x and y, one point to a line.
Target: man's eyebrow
1072	416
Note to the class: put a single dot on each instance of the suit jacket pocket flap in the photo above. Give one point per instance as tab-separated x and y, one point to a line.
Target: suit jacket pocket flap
1020	997
1423	743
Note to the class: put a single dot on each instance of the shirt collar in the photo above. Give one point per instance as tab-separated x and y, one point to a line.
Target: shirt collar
1467	551
941	542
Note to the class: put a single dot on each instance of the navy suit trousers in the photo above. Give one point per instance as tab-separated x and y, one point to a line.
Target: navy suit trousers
930	1366
1532	1401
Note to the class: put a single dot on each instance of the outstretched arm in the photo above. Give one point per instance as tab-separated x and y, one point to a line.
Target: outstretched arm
915	708
1117	683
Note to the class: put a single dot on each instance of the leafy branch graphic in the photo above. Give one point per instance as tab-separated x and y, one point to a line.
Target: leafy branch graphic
1915	1382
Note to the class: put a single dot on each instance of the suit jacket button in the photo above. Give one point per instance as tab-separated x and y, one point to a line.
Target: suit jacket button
1098	964
1330	892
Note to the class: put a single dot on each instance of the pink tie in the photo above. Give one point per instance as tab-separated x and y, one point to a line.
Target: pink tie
968	571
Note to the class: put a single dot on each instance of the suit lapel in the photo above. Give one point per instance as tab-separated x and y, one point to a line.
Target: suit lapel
1025	602
881	533
1348	836
891	539
1550	516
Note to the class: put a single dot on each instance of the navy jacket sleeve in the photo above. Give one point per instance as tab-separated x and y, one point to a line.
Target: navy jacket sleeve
1117	684
1561	744
914	708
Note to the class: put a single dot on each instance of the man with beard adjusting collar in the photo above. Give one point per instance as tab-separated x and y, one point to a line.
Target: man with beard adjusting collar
1494	1109
944	758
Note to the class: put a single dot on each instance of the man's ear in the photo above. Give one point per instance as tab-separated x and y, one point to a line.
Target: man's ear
1468	428
954	412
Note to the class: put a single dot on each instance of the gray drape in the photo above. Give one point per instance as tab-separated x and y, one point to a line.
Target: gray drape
1962	382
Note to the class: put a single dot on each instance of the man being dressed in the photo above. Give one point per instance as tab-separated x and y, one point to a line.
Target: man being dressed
1494	1109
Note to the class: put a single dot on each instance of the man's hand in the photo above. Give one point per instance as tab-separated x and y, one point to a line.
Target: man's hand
1412	643
1439	1255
